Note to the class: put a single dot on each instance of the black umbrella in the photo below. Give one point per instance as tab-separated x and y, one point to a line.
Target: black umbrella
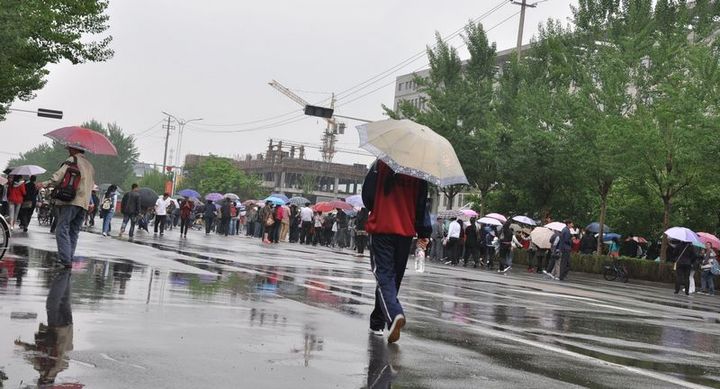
595	228
148	197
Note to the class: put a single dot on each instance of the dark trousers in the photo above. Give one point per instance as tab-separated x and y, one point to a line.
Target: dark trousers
160	222
274	235
305	236
185	224
682	277
453	246
208	224
25	216
489	256
388	259
360	242
564	264
224	226
471	252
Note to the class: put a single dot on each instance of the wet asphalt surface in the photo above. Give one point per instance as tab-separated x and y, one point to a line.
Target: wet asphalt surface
217	312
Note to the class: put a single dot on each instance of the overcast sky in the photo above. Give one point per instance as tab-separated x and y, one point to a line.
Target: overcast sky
213	60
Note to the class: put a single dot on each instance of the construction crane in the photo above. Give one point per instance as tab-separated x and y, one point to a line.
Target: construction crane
329	137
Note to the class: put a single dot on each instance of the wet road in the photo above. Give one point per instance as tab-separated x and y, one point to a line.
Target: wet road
219	312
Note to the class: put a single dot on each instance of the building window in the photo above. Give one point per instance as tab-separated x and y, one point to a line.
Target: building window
400	86
445	201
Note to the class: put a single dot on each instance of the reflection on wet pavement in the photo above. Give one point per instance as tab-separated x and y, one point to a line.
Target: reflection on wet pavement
219	312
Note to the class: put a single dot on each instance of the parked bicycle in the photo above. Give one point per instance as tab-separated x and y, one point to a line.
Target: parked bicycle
4	236
616	270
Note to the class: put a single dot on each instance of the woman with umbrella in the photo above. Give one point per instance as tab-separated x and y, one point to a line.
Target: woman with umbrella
16	195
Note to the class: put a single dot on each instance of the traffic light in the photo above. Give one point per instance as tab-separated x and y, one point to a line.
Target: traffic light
314	110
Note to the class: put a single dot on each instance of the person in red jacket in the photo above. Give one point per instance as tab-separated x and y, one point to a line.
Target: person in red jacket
16	194
398	208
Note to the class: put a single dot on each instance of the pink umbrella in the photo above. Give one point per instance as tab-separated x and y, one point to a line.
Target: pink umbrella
497	216
469	212
83	139
706	237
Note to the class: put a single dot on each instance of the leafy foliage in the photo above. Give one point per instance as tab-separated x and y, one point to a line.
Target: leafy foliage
35	33
216	174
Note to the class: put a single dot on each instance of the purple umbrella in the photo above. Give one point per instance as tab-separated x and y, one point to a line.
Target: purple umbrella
213	196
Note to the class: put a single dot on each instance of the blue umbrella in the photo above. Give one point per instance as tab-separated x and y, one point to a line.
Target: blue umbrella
611	236
355	201
282	197
189	193
275	200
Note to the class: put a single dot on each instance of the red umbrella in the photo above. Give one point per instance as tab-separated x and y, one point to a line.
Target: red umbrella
331	205
638	239
83	139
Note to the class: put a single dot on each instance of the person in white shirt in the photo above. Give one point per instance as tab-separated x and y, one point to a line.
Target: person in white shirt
161	206
306	223
454	232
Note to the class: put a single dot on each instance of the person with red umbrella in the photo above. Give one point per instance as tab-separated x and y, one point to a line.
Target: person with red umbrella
73	184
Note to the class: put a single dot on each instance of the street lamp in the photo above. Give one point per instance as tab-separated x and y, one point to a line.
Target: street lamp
181	125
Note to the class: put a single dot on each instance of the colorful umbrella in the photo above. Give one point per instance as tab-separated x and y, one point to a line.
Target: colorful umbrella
682	234
541	236
355	201
489	221
497	216
469	213
280	196
706	237
213	196
231	196
27	170
594	227
299	201
556	226
275	200
248	203
83	139
189	193
413	149
524	220
449	213
328	206
611	236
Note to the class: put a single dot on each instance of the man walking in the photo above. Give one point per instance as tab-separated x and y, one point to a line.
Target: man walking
71	210
161	206
130	208
454	232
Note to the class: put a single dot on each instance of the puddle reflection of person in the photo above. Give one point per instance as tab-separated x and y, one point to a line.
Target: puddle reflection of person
55	339
382	365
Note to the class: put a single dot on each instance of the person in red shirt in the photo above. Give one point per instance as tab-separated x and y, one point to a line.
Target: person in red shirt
16	194
398	208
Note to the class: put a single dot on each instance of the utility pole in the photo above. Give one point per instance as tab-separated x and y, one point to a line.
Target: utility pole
168	128
522	5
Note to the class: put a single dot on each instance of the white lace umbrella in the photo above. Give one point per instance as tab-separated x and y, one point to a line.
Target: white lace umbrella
413	149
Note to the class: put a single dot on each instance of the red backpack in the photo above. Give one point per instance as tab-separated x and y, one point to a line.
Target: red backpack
67	189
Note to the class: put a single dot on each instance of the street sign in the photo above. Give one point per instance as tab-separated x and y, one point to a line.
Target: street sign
49	113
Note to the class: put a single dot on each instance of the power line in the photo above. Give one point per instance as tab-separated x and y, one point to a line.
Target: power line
359	87
285	122
420	68
363	85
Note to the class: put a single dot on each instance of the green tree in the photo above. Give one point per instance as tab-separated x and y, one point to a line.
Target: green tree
35	33
459	107
153	180
308	184
216	174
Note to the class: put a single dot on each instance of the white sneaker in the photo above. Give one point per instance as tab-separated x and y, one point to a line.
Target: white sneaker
395	328
375	332
104	234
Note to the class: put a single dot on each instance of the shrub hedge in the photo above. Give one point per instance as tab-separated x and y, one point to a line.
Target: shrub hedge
639	269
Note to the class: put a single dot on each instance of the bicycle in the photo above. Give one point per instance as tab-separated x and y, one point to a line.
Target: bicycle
4	236
616	270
